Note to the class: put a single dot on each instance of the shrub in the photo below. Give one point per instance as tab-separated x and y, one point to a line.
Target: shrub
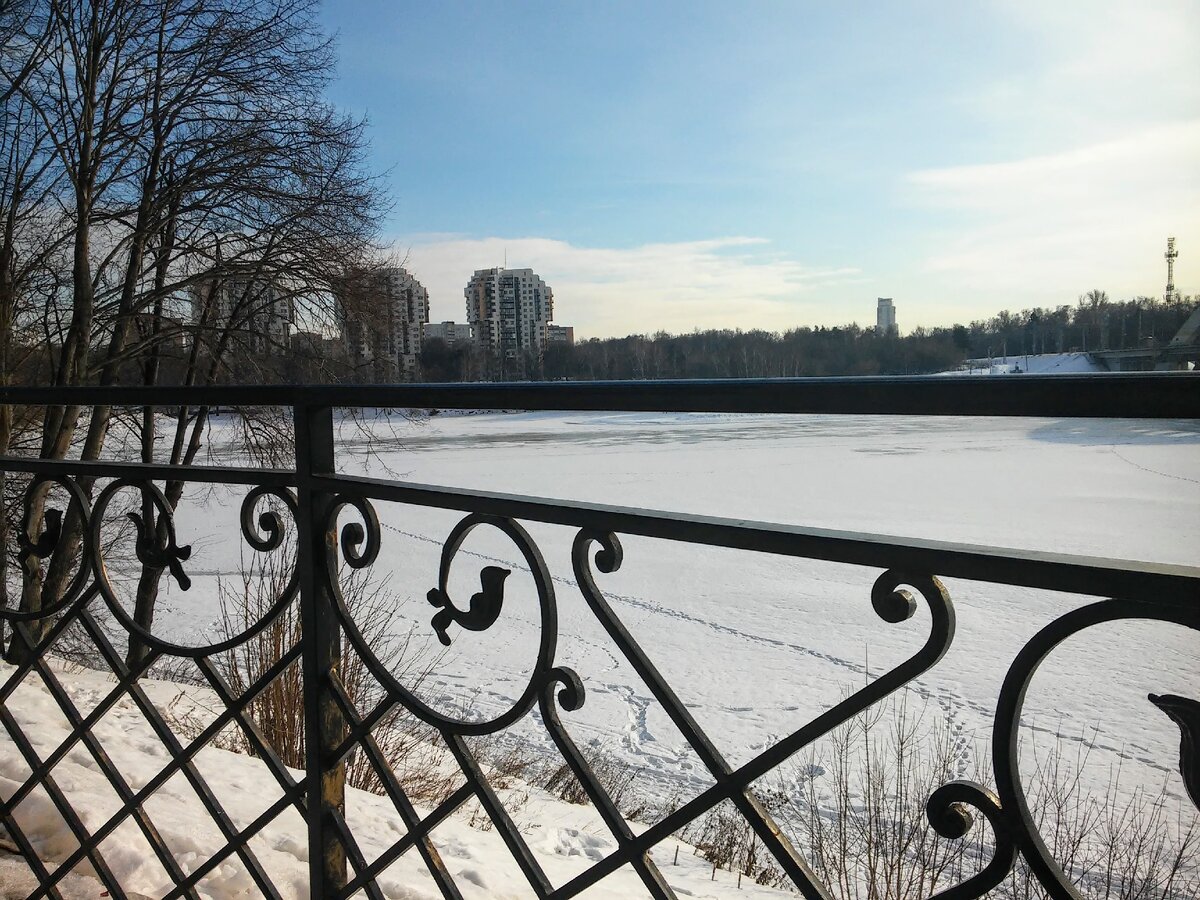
409	747
856	812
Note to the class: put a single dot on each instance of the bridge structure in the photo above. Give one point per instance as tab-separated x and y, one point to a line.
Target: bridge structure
1181	352
1171	357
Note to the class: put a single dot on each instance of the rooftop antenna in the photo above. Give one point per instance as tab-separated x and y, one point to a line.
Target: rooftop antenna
1170	256
506	256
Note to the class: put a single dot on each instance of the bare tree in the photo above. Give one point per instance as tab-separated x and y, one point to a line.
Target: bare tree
208	187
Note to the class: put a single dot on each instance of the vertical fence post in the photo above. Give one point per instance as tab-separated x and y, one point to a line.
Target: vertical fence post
324	725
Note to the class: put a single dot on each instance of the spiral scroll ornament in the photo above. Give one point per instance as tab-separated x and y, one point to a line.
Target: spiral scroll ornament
157	545
949	812
360	546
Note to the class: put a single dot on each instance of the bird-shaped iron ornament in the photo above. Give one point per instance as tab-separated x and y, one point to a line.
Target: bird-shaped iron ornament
1186	714
167	556
46	542
483	611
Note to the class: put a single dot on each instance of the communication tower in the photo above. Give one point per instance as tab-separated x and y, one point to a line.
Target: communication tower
1170	256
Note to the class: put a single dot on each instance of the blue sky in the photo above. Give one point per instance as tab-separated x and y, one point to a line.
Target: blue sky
682	165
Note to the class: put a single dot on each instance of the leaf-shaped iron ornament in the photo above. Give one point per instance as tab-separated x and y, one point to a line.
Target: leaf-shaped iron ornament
1186	714
169	555
484	609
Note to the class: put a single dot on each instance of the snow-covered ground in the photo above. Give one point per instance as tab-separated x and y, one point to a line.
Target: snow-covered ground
1032	364
757	645
565	838
1074	363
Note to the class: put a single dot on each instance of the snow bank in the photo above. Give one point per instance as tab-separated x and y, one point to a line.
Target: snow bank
1040	364
566	839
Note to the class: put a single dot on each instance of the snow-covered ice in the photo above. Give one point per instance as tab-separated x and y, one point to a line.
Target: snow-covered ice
758	644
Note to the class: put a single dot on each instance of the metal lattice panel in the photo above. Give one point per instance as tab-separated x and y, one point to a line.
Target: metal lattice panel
905	579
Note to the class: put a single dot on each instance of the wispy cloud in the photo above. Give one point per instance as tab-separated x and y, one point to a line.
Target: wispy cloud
728	282
1091	163
1095	215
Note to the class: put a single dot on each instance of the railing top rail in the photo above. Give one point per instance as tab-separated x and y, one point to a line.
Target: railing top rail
1154	395
1077	574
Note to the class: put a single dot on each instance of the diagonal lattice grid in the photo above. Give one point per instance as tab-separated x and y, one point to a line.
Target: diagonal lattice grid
131	803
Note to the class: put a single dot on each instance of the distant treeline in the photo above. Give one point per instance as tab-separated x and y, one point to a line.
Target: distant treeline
1094	323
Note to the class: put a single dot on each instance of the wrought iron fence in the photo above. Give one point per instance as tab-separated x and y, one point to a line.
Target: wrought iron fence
314	495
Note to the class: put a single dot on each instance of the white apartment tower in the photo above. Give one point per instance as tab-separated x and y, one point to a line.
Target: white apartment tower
384	315
509	310
885	316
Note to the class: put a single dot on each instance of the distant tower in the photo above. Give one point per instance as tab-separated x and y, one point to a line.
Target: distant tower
1171	255
885	316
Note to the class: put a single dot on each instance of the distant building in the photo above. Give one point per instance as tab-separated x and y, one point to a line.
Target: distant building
885	316
257	316
455	334
168	333
383	319
560	334
313	343
509	310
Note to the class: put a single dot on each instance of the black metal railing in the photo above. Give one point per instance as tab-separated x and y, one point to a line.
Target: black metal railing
314	495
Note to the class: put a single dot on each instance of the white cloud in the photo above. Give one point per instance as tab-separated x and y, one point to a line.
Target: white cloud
1051	225
729	282
1091	142
1152	158
1093	69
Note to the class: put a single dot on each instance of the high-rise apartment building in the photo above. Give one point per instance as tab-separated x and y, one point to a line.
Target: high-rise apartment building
560	334
256	316
885	316
455	334
509	310
383	316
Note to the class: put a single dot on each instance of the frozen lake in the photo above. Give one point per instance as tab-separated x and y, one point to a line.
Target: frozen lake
755	644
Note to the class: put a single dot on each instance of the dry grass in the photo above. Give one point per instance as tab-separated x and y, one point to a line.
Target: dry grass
856	812
410	749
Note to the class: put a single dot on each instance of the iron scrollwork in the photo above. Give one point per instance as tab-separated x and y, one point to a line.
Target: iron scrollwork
482	613
1017	821
949	812
1185	713
890	600
34	550
66	543
155	546
158	546
1007	810
896	596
